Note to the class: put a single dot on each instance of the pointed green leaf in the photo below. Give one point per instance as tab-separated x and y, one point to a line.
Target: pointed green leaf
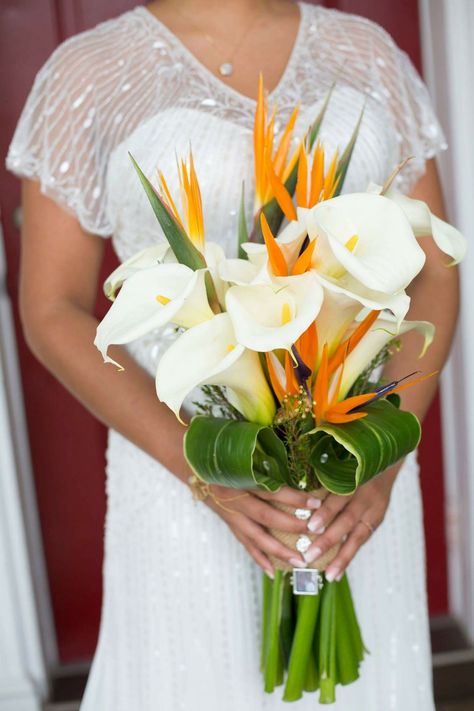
243	235
316	125
184	250
345	159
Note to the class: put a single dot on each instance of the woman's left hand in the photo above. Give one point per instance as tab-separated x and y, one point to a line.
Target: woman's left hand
350	519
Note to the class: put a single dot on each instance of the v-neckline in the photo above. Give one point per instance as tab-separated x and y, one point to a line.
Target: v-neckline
152	18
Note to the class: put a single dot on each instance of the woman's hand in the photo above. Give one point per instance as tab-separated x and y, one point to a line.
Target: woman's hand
249	514
350	519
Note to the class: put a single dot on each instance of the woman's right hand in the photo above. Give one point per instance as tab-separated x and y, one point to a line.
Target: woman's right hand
249	514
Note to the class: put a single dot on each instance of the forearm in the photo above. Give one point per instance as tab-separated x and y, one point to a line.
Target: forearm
435	298
62	340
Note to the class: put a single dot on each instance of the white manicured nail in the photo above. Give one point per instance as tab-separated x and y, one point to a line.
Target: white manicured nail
297	563
312	554
315	523
331	574
270	574
314	503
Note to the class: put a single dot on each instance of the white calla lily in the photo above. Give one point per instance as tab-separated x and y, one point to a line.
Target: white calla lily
347	286
424	223
151	298
209	354
215	256
146	258
382	331
271	316
290	240
367	236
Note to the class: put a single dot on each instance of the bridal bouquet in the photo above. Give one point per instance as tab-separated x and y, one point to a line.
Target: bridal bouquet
288	341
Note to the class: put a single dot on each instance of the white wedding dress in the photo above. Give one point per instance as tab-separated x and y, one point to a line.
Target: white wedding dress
181	610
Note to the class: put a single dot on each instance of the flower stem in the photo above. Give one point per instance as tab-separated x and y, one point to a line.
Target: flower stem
273	662
307	613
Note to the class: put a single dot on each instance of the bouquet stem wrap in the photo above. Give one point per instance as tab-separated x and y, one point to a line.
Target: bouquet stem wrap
290	539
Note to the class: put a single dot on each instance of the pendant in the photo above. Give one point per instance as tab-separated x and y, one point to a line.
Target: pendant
306	581
226	69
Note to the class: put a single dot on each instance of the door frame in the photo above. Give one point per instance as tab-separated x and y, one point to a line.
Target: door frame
447	28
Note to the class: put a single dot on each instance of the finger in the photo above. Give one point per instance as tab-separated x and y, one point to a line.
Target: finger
357	538
260	559
269	516
291	497
271	546
340	527
331	506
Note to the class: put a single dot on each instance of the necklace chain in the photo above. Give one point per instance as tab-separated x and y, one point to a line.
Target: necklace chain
226	68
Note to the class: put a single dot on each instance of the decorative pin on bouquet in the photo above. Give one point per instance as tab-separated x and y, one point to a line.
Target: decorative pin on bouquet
287	339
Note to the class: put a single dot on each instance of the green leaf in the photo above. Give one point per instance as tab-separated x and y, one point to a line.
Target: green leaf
327	644
240	455
345	159
316	125
243	234
348	455
184	250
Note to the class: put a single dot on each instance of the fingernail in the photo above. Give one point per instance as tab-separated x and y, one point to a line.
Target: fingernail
270	574
315	523
332	574
312	554
297	563
339	577
314	503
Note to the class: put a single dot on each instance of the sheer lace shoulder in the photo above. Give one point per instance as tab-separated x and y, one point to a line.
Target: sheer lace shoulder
74	114
365	55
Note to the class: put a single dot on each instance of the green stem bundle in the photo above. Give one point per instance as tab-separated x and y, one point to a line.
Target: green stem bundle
312	640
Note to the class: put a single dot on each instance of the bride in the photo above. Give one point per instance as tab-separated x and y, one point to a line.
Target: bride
180	615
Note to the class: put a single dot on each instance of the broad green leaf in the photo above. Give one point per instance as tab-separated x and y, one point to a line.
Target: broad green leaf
184	250
240	455
348	455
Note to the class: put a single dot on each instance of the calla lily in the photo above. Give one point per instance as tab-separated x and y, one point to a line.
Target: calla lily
151	298
209	354
381	332
146	258
271	316
367	236
424	223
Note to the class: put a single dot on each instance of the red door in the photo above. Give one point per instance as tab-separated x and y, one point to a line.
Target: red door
69	476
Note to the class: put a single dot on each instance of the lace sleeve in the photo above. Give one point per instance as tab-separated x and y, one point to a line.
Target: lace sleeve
57	140
398	84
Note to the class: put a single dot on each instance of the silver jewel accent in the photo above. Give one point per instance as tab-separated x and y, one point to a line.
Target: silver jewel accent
307	581
302	514
303	543
324	457
226	69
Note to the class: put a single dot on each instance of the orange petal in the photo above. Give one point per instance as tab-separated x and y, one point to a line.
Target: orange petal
317	175
307	345
275	255
259	139
350	343
277	386
169	199
320	390
301	191
416	381
330	176
336	419
350	403
281	194
292	385
303	262
281	154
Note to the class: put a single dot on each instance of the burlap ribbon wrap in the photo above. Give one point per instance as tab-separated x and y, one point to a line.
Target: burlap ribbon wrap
290	539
